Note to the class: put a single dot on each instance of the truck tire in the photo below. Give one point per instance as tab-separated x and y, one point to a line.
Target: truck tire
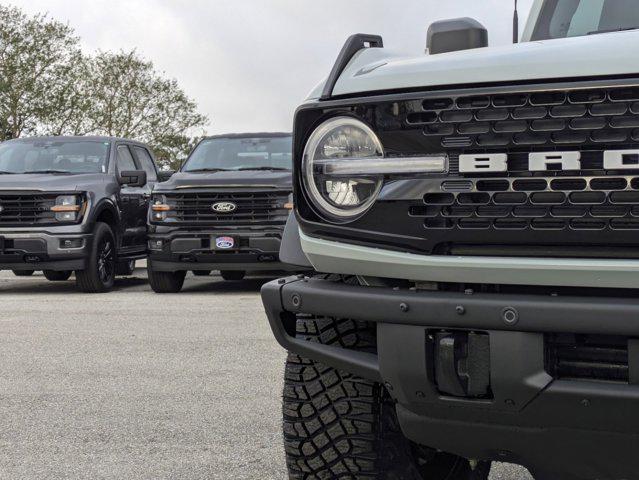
23	273
54	276
337	425
201	273
165	282
99	275
232	275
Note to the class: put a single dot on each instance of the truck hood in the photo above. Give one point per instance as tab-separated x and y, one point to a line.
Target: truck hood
49	182
377	69
246	179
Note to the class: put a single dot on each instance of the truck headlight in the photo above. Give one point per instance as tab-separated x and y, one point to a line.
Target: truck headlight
159	208
341	195
67	208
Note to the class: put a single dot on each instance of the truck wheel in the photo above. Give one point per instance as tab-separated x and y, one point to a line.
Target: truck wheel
125	268
201	273
99	275
165	282
337	425
233	275
23	273
54	276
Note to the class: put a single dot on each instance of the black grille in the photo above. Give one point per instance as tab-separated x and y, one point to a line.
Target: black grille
22	209
583	203
253	208
554	118
587	357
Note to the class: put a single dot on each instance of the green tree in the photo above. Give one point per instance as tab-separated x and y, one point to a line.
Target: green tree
37	59
131	99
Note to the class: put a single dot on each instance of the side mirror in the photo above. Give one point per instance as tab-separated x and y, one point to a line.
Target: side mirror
164	175
455	35
133	178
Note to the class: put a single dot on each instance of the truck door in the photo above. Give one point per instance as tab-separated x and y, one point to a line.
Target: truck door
130	201
145	162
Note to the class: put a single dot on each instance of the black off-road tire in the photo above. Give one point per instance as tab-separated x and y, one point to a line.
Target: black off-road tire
23	273
54	276
201	273
337	425
125	268
99	274
165	282
233	275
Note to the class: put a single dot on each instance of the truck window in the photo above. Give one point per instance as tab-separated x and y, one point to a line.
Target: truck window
146	162
574	18
68	156
241	153
125	159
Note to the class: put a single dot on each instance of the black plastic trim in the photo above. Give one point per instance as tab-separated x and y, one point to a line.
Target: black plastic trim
354	44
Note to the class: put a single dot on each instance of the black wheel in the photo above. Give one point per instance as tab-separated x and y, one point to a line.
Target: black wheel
337	425
54	276
125	268
23	273
201	273
165	282
233	275
99	275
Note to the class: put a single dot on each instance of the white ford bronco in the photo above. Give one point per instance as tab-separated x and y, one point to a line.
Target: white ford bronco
474	216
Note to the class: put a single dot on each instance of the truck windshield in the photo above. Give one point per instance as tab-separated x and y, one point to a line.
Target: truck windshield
574	18
256	153
64	156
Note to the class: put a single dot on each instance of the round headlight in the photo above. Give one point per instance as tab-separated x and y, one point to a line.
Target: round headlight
338	195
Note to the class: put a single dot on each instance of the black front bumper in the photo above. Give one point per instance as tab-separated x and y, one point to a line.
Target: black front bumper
572	428
43	251
195	250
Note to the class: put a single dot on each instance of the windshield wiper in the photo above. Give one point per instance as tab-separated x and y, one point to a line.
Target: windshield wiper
596	32
7	173
264	168
47	171
207	170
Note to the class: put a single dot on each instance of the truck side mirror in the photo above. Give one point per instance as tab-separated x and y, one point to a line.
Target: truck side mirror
455	35
133	178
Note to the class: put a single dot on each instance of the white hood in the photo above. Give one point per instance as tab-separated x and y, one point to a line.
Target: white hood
376	69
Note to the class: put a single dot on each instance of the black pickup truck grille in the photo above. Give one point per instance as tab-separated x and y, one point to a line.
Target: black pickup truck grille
252	208
22	209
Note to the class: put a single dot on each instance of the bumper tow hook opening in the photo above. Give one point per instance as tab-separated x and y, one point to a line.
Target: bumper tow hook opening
32	258
266	258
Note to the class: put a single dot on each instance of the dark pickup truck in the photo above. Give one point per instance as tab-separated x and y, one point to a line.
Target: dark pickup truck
225	210
74	204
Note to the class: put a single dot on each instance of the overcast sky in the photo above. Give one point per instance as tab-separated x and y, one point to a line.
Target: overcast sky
250	63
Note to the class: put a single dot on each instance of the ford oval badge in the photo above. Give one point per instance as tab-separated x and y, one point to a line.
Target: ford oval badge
224	243
224	207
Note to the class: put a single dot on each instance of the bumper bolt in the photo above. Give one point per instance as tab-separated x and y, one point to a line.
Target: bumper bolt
510	316
404	307
388	386
510	403
585	403
281	281
460	310
420	394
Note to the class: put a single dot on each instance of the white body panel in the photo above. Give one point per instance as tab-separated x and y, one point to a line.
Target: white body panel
378	69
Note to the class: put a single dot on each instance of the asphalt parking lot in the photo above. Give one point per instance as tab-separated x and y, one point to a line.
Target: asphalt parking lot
134	385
